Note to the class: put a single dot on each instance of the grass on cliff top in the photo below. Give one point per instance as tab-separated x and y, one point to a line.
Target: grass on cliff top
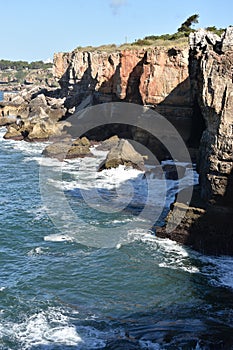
138	45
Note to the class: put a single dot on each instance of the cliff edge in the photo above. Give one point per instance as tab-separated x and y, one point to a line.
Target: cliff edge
207	225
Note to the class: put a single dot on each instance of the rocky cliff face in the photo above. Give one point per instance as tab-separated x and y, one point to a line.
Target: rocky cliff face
211	75
207	224
147	77
157	77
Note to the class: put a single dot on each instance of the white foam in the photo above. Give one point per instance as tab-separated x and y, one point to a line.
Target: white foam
173	255
219	270
28	148
49	327
36	251
58	238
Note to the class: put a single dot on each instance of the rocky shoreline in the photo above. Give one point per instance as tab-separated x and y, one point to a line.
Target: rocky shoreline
192	88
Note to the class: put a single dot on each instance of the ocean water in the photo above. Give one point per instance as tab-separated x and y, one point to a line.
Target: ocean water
61	290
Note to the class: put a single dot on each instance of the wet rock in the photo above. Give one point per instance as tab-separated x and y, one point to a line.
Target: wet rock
205	228
173	172
167	171
123	154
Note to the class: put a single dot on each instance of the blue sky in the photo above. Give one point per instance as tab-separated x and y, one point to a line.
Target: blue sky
35	29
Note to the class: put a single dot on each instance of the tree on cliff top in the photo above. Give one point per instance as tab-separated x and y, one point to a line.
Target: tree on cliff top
186	26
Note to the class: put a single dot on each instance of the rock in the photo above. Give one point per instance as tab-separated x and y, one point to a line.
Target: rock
13	133
67	150
39	100
107	144
38	112
155	77
81	142
227	39
43	130
78	151
55	114
203	38
173	172
207	229
123	154
18	99
211	78
57	150
55	102
125	74
7	121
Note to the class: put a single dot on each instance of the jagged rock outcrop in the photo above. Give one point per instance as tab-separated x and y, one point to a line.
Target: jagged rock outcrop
123	154
211	75
208	227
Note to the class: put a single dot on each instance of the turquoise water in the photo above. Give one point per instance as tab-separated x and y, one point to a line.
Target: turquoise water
58	293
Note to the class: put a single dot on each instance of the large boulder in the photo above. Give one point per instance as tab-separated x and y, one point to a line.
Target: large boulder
66	149
123	154
107	144
13	133
42	130
7	121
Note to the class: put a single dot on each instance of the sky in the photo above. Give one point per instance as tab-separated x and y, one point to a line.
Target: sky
34	30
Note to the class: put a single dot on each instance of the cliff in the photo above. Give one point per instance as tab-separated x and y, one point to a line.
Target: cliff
157	77
207	225
143	76
211	75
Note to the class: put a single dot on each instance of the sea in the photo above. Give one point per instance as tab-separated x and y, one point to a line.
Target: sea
61	288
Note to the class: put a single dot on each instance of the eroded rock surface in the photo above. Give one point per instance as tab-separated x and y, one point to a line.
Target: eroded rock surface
123	154
208	228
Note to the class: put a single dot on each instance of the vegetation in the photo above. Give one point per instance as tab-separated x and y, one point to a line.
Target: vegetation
215	30
20	65
186	26
179	38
